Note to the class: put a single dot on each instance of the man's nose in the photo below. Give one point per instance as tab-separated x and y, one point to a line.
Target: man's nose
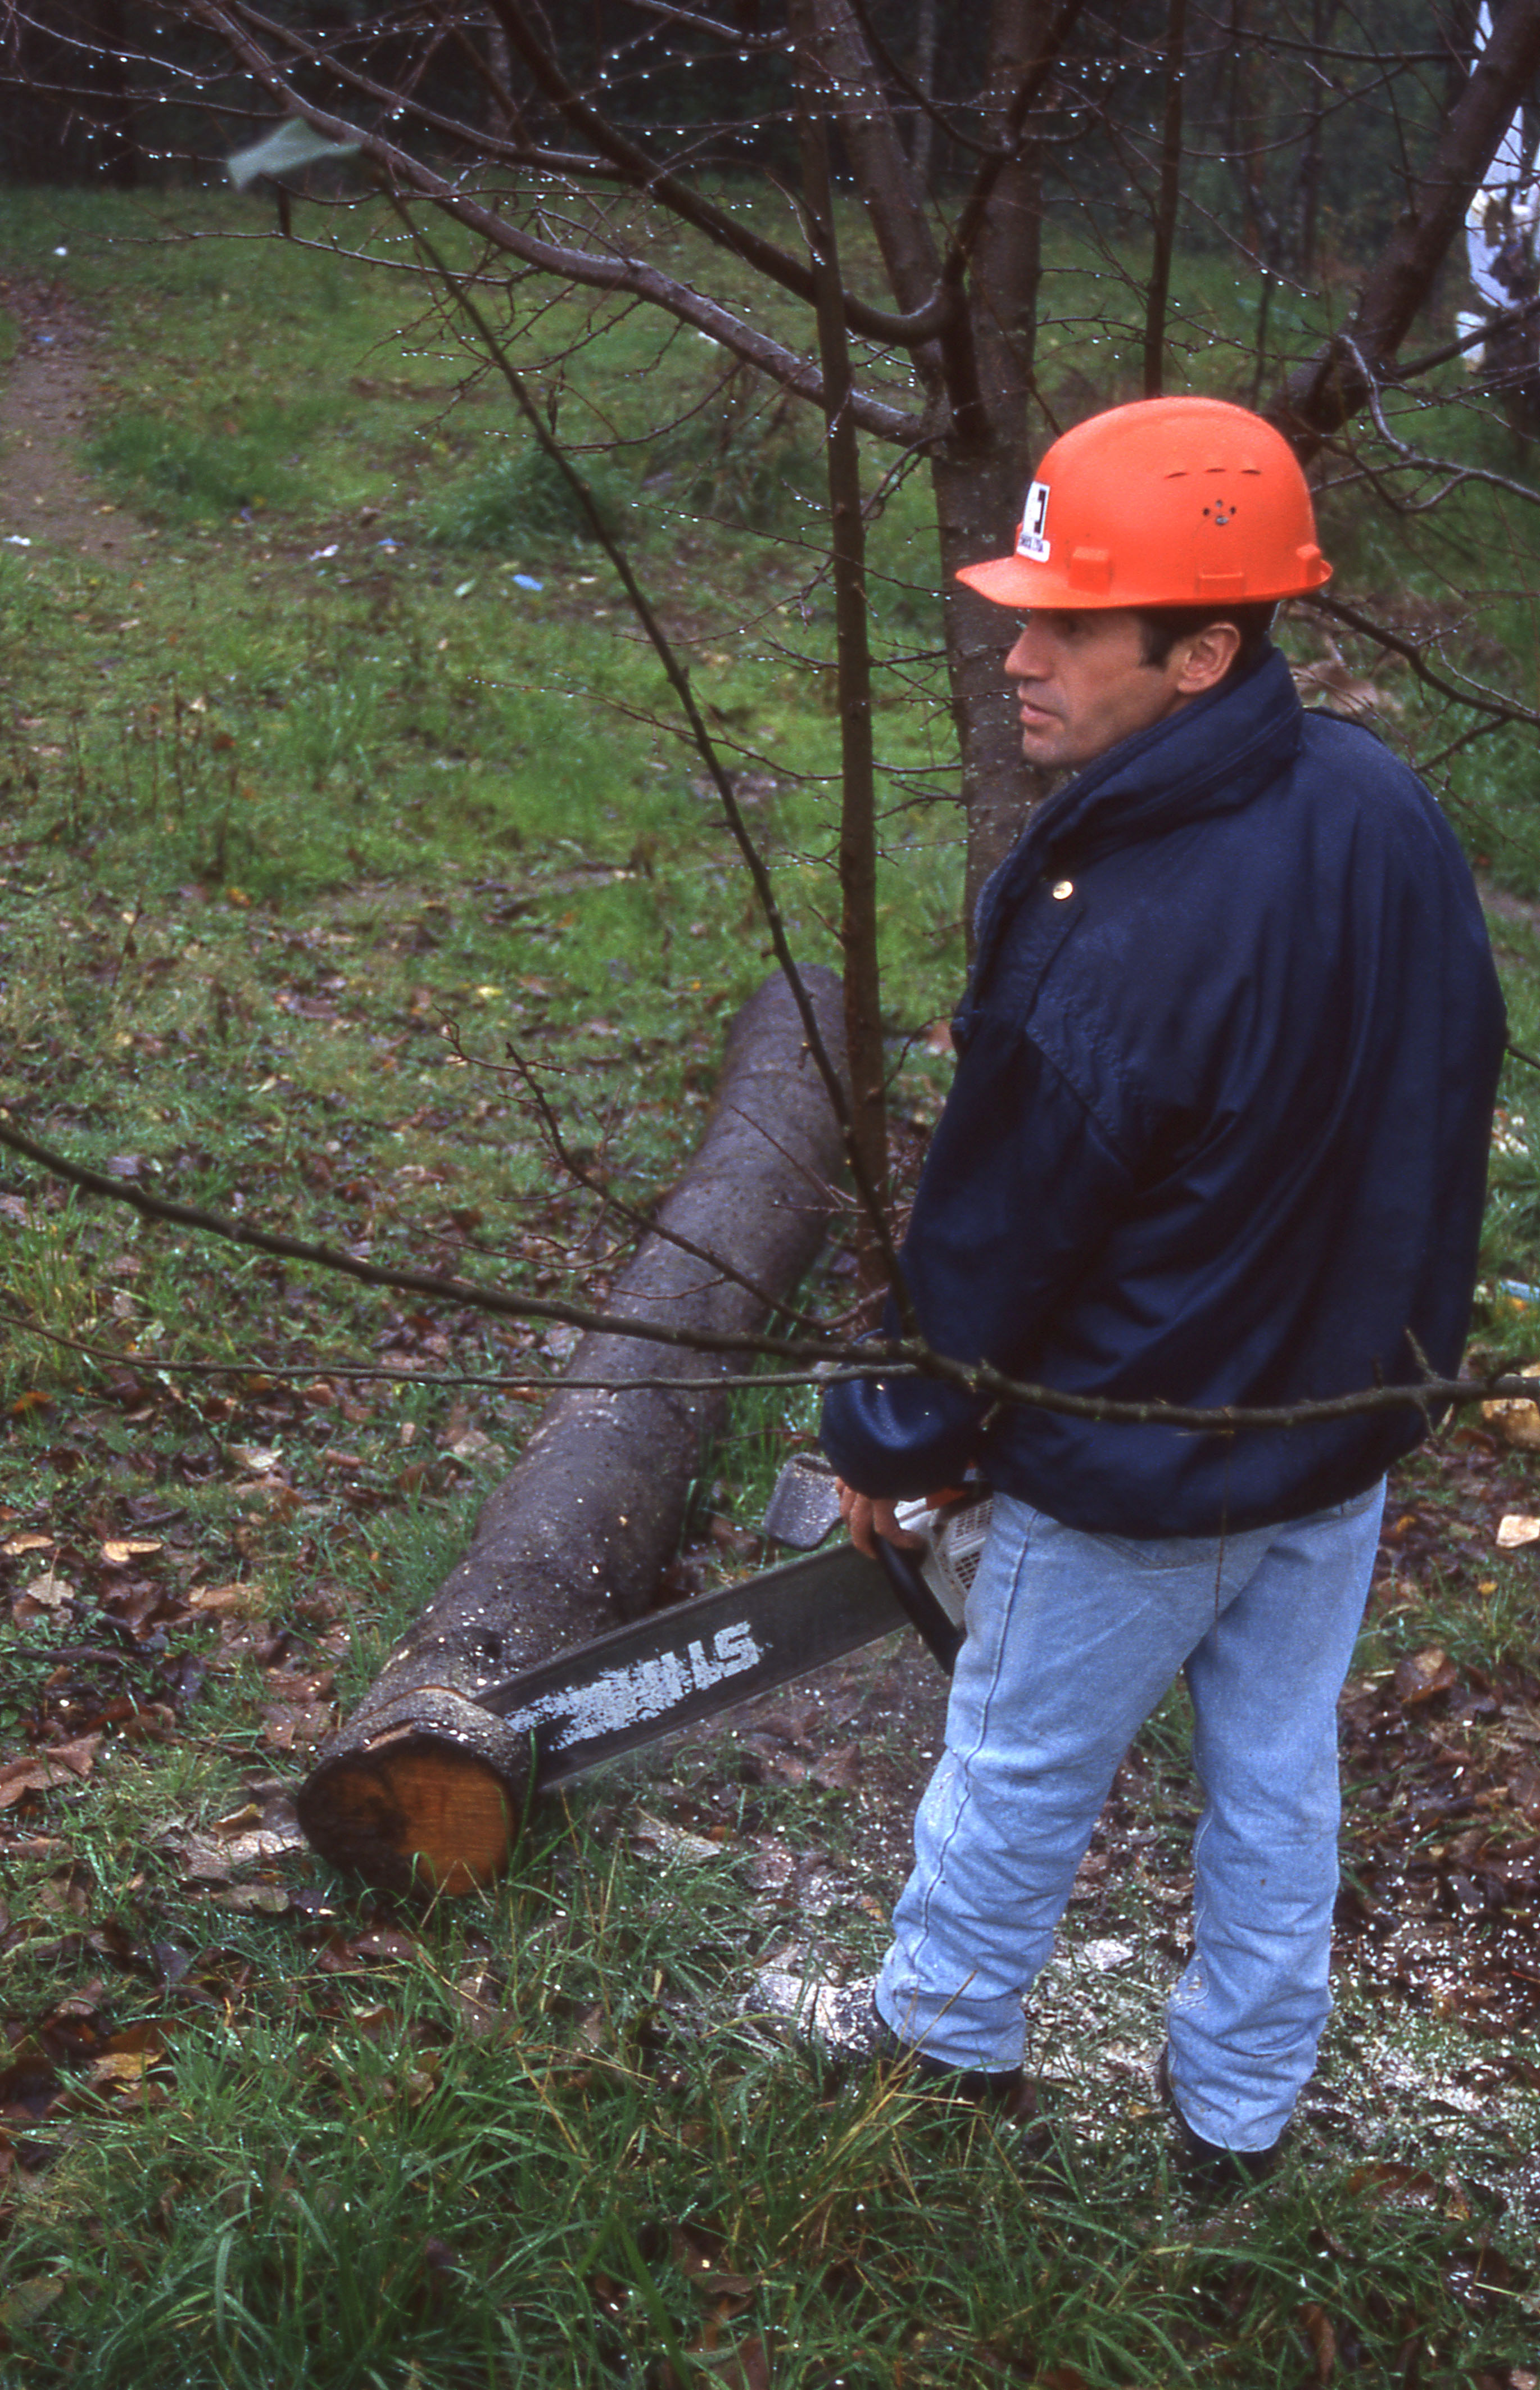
1025	661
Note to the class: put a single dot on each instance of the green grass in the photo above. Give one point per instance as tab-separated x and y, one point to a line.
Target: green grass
518	2149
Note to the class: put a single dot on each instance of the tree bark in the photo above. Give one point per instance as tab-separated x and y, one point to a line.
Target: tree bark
422	1787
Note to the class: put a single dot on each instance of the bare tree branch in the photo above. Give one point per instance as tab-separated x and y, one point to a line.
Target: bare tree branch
877	1356
1334	384
1485	701
402	170
643	173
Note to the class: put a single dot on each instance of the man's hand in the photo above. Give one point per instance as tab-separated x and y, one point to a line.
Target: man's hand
866	1520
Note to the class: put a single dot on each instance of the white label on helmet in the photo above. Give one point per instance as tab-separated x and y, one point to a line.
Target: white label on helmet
1030	540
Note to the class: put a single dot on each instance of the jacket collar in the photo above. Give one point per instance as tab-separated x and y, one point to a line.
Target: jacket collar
1208	758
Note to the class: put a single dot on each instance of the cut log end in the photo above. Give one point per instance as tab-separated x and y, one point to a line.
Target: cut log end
424	1786
416	1812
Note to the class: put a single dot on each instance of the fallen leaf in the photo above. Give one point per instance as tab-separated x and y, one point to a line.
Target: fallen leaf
474	1446
268	1843
239	1821
344	1955
245	1598
285	1727
1517	1527
41	1770
1517	1422
120	1549
273	1496
656	1838
50	1590
14	1546
1322	2339
268	1899
23	2304
260	1458
1423	1674
1388	2181
119	2066
204	1862
386	1942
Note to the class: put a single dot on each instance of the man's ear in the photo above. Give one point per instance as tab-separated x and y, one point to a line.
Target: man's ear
1210	654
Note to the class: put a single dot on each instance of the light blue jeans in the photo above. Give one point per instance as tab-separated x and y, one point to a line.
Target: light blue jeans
1073	1640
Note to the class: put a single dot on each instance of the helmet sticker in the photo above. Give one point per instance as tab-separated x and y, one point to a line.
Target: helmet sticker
1030	540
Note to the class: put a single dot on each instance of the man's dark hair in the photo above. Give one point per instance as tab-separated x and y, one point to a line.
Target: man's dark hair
1161	627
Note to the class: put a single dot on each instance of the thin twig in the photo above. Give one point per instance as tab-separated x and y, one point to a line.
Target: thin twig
160	1365
1482	700
678	679
430	1283
519	1067
877	1356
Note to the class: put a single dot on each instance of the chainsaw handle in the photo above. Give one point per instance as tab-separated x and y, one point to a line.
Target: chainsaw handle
919	1605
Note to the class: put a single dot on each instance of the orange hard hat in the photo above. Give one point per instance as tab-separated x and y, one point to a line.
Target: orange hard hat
1168	502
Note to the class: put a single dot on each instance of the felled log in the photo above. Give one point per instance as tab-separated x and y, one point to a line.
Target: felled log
421	1786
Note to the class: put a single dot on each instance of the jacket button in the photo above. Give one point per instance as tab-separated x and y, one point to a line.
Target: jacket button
1062	888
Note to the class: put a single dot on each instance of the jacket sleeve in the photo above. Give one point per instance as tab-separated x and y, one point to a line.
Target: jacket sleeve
1020	1190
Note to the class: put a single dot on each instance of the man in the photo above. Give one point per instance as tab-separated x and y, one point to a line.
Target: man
1218	1136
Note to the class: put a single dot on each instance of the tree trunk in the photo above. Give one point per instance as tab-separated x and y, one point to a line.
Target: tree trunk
1164	241
421	1786
1307	192
858	937
978	480
922	139
977	511
979	488
502	114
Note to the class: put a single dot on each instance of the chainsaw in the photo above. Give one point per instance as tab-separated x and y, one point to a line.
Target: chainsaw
648	1681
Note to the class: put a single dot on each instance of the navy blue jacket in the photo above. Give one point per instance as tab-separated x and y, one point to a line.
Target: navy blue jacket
1218	1131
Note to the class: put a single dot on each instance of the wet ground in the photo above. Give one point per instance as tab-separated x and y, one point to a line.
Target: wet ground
1431	2064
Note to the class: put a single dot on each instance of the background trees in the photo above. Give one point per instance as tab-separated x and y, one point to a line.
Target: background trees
1279	139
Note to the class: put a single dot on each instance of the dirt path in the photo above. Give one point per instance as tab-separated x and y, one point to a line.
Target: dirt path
45	496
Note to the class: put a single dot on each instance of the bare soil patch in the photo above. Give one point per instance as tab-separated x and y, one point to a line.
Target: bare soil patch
45	496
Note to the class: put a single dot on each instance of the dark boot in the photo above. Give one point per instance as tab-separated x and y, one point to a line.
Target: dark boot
1207	2165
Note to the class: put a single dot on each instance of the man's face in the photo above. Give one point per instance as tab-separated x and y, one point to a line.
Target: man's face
1083	683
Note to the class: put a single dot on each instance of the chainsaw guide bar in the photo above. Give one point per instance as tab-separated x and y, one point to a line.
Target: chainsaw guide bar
627	1688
